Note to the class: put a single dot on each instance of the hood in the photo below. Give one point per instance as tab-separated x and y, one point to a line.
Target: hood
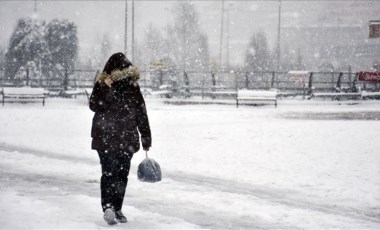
131	73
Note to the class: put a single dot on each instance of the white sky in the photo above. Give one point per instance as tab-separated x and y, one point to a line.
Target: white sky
96	18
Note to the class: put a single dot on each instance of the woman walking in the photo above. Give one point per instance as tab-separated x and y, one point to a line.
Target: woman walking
120	115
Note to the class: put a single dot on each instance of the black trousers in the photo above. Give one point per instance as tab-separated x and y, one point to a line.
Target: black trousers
115	170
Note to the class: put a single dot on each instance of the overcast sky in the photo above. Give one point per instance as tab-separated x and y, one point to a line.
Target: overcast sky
96	18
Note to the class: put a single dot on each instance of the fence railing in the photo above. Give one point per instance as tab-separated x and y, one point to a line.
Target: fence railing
77	79
195	81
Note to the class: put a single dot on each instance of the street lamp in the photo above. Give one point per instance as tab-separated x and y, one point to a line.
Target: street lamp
126	29
133	31
221	35
228	37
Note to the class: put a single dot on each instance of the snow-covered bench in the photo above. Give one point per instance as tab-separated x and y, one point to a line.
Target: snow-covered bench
24	94
255	96
73	92
335	95
365	94
163	91
221	92
356	93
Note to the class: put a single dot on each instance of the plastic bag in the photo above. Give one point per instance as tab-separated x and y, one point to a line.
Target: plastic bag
149	171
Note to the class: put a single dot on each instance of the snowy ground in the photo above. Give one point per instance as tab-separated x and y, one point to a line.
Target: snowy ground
304	165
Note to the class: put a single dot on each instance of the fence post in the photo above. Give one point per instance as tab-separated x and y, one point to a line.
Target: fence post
203	86
187	84
236	82
161	77
332	81
354	83
350	75
273	80
246	80
213	85
27	75
311	83
66	80
339	82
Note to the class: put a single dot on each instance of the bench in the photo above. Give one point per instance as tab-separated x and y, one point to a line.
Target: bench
365	95
335	95
221	94
73	93
164	91
24	94
354	92
254	96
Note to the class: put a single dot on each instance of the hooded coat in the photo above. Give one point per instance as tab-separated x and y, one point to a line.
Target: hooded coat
120	112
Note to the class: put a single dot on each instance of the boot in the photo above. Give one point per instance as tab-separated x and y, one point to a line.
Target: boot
120	217
110	216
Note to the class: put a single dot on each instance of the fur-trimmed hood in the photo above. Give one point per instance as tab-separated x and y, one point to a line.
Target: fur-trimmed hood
131	73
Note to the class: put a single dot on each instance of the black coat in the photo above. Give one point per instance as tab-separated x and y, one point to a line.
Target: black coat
120	113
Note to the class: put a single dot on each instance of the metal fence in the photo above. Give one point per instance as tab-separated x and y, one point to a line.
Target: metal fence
77	79
283	81
199	83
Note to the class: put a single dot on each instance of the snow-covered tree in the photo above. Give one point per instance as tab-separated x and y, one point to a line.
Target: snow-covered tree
2	57
258	56
203	52
62	42
105	49
34	45
291	59
27	44
155	46
192	52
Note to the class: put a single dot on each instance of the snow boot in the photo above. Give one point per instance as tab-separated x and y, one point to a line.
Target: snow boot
109	216
120	217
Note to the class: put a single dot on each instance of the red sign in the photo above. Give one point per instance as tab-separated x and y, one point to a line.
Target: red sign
369	77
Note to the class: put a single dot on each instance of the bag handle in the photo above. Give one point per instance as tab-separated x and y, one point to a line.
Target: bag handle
146	154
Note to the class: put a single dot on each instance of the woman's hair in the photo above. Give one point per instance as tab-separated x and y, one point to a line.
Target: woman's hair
116	61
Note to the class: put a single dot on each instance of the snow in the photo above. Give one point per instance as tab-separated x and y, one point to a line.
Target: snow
306	164
249	94
23	91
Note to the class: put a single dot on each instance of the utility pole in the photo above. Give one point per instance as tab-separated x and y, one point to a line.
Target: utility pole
221	35
126	29
35	14
167	20
279	36
133	31
228	38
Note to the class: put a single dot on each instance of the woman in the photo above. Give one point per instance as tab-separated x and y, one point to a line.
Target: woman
120	113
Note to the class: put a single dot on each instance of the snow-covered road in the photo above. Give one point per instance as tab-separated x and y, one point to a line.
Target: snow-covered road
223	169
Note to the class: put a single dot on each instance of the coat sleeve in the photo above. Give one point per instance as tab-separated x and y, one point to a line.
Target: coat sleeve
143	121
101	98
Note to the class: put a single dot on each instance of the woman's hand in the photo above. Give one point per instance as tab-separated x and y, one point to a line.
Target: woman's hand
146	148
108	81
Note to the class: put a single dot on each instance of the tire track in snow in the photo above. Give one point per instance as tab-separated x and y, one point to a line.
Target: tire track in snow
276	196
